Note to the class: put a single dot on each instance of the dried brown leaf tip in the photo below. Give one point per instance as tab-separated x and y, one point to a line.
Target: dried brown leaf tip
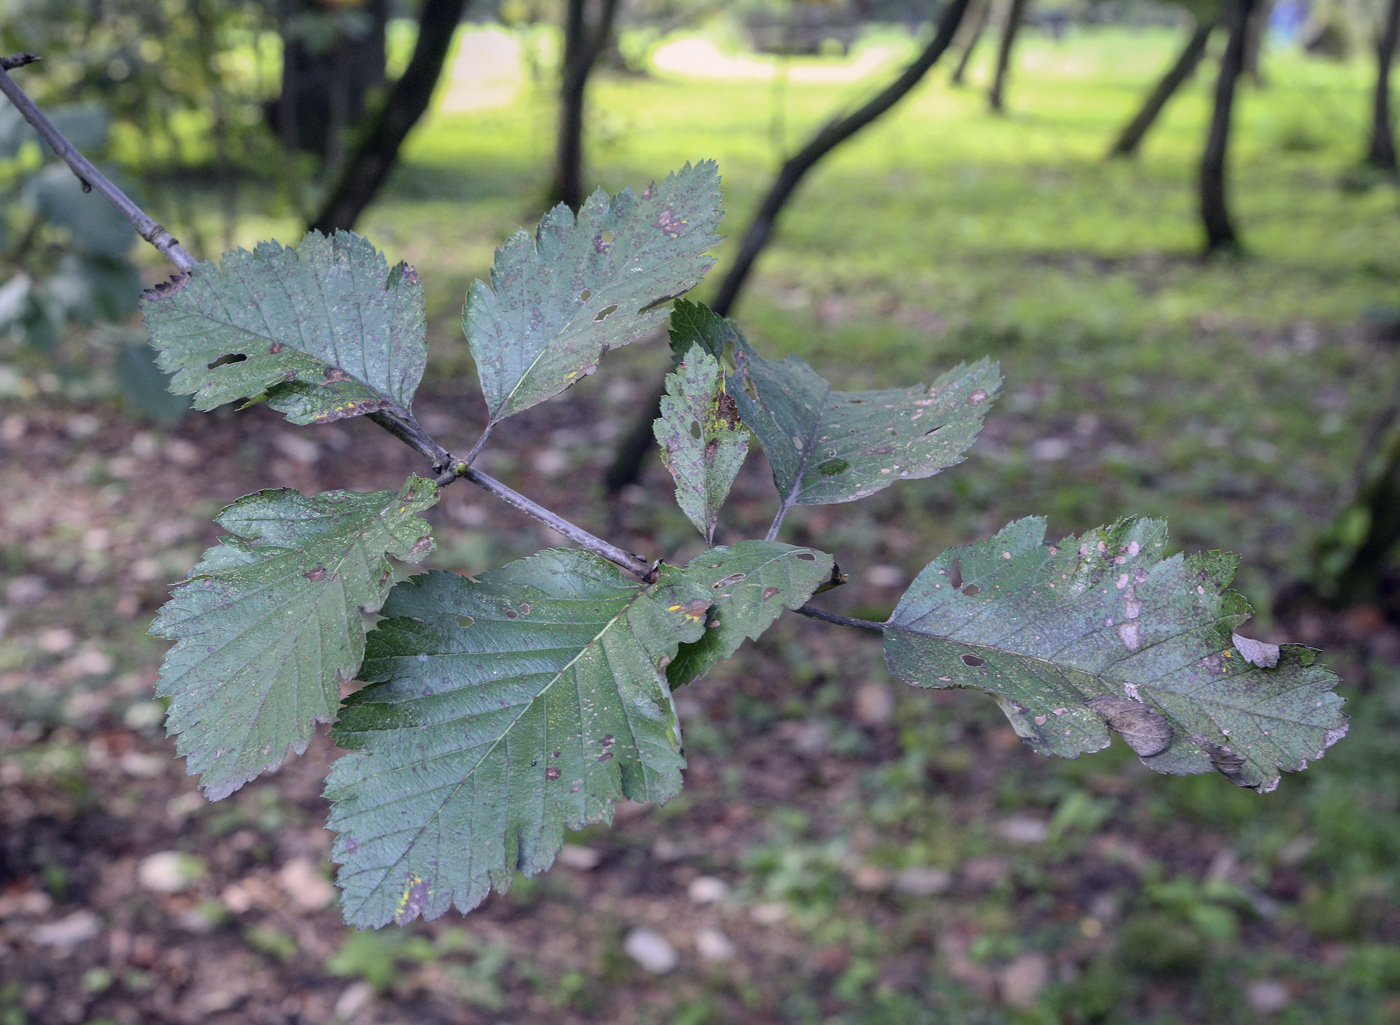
166	289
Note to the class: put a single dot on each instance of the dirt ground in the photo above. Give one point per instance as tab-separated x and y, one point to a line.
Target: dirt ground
844	851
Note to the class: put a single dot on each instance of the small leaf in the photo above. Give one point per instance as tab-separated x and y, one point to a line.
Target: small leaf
324	331
267	626
827	446
582	286
504	711
750	584
1103	633
703	443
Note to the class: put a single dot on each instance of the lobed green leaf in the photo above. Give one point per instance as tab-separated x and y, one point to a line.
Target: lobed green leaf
702	442
584	285
504	711
1104	633
322	332
267	627
827	446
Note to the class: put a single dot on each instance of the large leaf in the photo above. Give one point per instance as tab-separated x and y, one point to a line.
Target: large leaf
751	583
827	446
505	710
326	330
703	443
580	287
267	626
1103	633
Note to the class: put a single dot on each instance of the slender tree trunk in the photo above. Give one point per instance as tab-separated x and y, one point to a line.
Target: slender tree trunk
1382	151
970	35
632	451
1254	42
1215	215
324	88
1015	14
1177	75
582	45
407	101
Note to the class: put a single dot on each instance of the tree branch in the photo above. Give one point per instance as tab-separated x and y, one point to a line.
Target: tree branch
812	612
404	427
90	176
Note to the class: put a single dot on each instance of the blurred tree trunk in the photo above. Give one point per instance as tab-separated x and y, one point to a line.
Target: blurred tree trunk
1215	215
632	451
325	81
1254	39
1177	75
407	101
970	35
1382	151
1015	14
583	42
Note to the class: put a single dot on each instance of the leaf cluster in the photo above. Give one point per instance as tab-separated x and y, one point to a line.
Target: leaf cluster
502	710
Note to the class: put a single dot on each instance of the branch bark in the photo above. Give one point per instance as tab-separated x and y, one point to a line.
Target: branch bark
408	99
90	176
1215	214
632	451
1177	75
1381	153
1015	14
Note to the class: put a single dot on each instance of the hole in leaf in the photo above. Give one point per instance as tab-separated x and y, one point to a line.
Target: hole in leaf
933	431
751	391
465	621
973	661
512	614
232	357
955	573
695	429
832	467
606	312
525	608
585	295
971	589
806	557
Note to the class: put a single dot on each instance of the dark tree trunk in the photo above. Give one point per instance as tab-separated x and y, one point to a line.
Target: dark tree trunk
1177	76
627	464
582	45
1254	42
970	35
1382	151
1014	16
1215	215
324	91
369	167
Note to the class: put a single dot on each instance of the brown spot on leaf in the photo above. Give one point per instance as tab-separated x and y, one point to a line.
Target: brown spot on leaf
275	348
334	374
423	544
668	222
553	772
973	661
413	902
977	397
1146	730
316	575
728	409
768	592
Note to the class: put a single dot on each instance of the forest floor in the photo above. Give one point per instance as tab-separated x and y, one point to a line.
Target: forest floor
847	850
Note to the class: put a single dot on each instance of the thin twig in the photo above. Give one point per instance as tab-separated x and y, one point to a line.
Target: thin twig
90	176
447	469
400	424
830	617
777	523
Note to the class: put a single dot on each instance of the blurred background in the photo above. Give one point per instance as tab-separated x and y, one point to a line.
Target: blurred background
1176	225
